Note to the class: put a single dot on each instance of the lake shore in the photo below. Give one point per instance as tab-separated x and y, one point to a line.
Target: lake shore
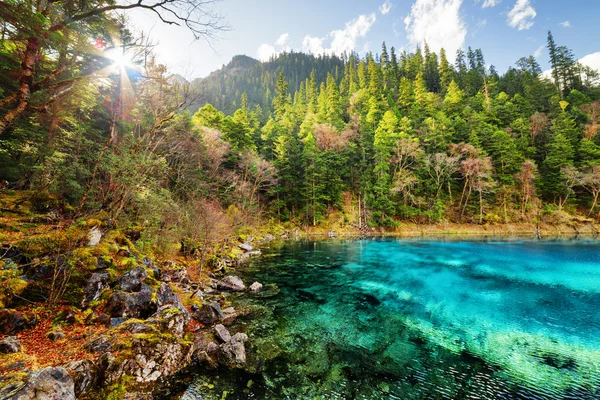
411	230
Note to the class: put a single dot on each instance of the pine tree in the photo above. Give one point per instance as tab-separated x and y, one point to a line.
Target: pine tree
280	101
445	72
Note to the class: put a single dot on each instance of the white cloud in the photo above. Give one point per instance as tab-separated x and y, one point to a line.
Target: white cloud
490	3
591	60
313	45
343	40
539	50
565	24
437	22
284	40
266	51
385	7
521	16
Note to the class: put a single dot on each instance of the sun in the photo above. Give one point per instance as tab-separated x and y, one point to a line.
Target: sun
119	58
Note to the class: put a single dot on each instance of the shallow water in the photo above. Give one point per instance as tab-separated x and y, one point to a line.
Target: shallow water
422	319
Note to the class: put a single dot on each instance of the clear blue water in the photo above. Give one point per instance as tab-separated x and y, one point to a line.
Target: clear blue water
422	319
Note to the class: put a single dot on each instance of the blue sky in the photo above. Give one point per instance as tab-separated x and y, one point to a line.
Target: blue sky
504	29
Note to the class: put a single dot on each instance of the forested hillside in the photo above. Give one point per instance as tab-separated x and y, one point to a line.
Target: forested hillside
414	137
224	88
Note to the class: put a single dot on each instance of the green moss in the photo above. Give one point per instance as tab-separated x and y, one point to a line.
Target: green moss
9	288
13	379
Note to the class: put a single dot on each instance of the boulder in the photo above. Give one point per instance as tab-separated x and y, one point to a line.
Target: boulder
231	283
99	319
170	319
132	280
240	337
165	295
246	246
116	321
50	383
84	375
173	273
10	344
256	287
99	344
94	287
229	316
55	336
234	352
41	272
12	321
12	253
154	355
208	313
131	305
222	333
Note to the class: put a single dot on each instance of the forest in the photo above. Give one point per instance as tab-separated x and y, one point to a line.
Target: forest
300	140
226	237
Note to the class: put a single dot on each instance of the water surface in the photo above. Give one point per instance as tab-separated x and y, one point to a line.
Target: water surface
422	319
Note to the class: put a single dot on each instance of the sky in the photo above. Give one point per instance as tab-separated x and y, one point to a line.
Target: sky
504	29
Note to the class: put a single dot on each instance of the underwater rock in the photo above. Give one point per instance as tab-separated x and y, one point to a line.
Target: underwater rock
256	287
84	375
10	345
131	305
94	287
50	383
55	336
231	283
132	280
94	237
202	358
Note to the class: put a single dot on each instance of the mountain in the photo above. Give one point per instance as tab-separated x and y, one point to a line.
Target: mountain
224	88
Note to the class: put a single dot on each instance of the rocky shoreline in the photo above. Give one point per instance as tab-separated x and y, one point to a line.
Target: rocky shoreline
150	322
139	322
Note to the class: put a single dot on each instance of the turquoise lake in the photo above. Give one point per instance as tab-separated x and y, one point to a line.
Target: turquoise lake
421	319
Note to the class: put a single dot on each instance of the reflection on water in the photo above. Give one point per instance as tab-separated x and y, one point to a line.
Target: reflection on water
421	319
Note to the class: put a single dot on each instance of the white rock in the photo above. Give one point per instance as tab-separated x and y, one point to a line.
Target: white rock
94	236
256	287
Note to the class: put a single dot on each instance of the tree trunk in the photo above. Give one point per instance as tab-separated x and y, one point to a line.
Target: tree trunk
596	193
30	58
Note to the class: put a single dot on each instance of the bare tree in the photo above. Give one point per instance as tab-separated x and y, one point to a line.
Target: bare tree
477	176
570	179
526	178
593	113
404	183
590	181
538	122
440	168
